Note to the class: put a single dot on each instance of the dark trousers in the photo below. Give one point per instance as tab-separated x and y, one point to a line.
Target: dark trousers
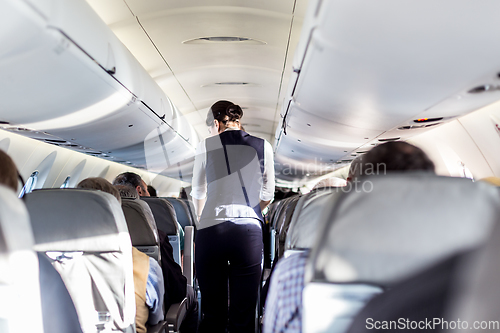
240	245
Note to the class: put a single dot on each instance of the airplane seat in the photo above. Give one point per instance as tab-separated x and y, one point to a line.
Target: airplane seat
140	226
458	287
19	279
399	225
284	224
300	238
419	298
58	309
274	218
166	221
192	214
304	225
85	235
181	211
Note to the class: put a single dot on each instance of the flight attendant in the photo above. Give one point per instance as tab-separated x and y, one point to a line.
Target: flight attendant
233	180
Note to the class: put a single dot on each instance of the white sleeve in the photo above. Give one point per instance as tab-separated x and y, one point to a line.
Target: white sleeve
267	190
199	183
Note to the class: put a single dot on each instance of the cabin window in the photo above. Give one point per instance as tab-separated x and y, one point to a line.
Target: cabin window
30	184
465	172
65	184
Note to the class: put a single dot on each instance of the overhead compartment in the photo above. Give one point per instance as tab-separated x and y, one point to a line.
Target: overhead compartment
365	71
64	73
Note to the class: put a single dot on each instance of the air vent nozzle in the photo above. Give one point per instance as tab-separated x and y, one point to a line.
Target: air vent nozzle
224	39
484	88
230	83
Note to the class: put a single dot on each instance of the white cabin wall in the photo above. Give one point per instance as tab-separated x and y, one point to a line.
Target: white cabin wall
472	139
29	153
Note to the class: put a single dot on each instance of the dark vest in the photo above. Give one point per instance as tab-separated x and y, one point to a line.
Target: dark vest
234	169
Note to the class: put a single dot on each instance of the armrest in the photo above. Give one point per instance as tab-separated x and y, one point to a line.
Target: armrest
157	328
175	315
188	254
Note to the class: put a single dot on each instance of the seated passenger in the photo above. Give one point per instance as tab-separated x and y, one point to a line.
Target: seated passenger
495	181
8	172
152	191
135	182
58	311
283	308
148	276
176	287
130	193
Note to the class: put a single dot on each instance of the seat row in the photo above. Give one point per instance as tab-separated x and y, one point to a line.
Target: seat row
399	234
88	238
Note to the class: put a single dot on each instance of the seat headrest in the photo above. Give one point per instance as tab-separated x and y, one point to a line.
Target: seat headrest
139	225
75	220
305	225
19	279
164	214
181	211
15	228
394	225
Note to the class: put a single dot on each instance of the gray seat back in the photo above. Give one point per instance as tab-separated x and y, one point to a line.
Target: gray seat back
393	227
404	223
286	217
85	234
182	212
166	221
305	224
19	285
164	214
190	207
474	297
141	227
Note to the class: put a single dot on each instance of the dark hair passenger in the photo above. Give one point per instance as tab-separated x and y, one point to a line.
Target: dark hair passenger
396	156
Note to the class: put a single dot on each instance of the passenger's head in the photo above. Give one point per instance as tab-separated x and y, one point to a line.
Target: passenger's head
182	193
101	184
152	191
223	114
127	192
8	171
132	180
397	156
495	181
355	169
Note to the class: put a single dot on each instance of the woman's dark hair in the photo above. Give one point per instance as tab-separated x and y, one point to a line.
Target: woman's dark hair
224	111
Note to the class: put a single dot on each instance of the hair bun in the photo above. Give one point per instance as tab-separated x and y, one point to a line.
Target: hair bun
234	112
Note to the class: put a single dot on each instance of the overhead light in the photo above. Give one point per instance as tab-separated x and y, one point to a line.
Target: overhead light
224	39
231	83
427	120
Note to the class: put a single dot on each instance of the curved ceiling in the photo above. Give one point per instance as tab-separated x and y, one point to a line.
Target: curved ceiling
191	73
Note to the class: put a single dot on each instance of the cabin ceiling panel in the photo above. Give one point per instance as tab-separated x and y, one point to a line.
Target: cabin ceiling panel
140	7
372	69
182	69
111	11
398	63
